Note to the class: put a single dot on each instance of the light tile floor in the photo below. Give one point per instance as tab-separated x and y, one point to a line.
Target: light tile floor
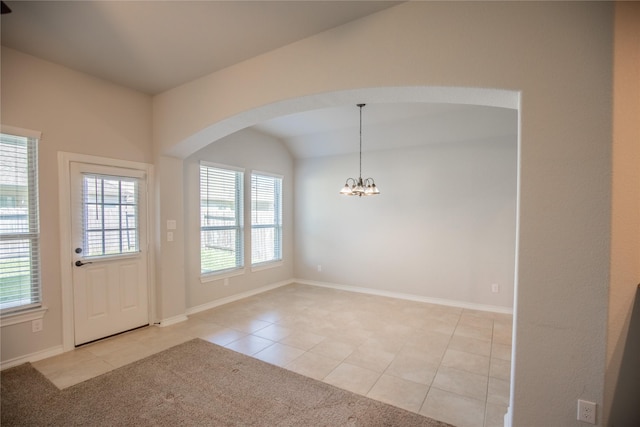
448	363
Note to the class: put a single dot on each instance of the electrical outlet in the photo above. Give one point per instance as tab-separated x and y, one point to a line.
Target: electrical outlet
36	325
587	411
495	288
319	268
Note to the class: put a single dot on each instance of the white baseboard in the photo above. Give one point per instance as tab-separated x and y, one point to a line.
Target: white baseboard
54	351
33	357
410	297
507	418
236	297
172	320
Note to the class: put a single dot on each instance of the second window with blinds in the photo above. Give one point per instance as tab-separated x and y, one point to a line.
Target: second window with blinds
266	219
222	217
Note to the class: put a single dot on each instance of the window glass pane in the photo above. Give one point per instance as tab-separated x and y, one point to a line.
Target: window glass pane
264	247
19	227
220	250
128	193
221	240
111	217
15	273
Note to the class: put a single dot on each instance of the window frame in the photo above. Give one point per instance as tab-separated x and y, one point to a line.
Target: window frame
33	310
239	268
276	225
101	205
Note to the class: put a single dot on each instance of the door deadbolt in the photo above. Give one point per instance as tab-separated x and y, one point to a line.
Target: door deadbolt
78	250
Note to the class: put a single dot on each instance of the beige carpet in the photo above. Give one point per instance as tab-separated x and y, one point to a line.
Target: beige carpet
194	384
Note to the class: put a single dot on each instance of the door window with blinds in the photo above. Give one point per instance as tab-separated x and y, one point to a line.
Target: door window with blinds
110	215
20	287
266	218
221	219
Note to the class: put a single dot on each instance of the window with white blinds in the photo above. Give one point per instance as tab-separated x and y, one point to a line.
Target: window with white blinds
221	219
19	224
266	218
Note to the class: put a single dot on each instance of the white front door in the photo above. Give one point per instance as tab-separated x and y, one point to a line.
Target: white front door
109	244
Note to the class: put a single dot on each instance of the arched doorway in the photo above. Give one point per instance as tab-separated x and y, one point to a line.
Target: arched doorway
449	95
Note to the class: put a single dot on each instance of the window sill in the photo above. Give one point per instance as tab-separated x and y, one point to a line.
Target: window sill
22	317
266	265
220	276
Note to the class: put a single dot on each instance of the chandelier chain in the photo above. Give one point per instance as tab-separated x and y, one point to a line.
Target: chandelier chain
360	105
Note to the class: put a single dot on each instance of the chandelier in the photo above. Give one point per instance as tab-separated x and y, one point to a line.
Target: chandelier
360	187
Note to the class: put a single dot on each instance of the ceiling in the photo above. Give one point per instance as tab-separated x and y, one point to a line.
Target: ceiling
153	46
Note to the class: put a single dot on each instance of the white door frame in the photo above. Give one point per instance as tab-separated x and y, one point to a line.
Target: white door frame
66	258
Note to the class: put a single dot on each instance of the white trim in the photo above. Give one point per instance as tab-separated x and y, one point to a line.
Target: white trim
64	179
100	169
22	316
410	297
262	173
33	357
27	133
173	320
236	297
222	166
117	257
266	265
507	418
212	277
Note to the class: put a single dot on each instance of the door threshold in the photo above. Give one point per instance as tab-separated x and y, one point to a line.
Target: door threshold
110	336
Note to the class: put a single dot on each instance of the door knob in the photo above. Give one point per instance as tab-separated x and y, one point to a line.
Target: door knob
80	263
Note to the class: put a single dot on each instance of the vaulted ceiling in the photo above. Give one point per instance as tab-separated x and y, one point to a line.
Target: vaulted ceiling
153	46
335	131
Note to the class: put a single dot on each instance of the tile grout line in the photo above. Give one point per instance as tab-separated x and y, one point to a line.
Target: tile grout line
440	362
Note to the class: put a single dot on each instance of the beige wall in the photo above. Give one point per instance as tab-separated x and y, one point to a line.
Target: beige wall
170	290
623	376
558	56
75	113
